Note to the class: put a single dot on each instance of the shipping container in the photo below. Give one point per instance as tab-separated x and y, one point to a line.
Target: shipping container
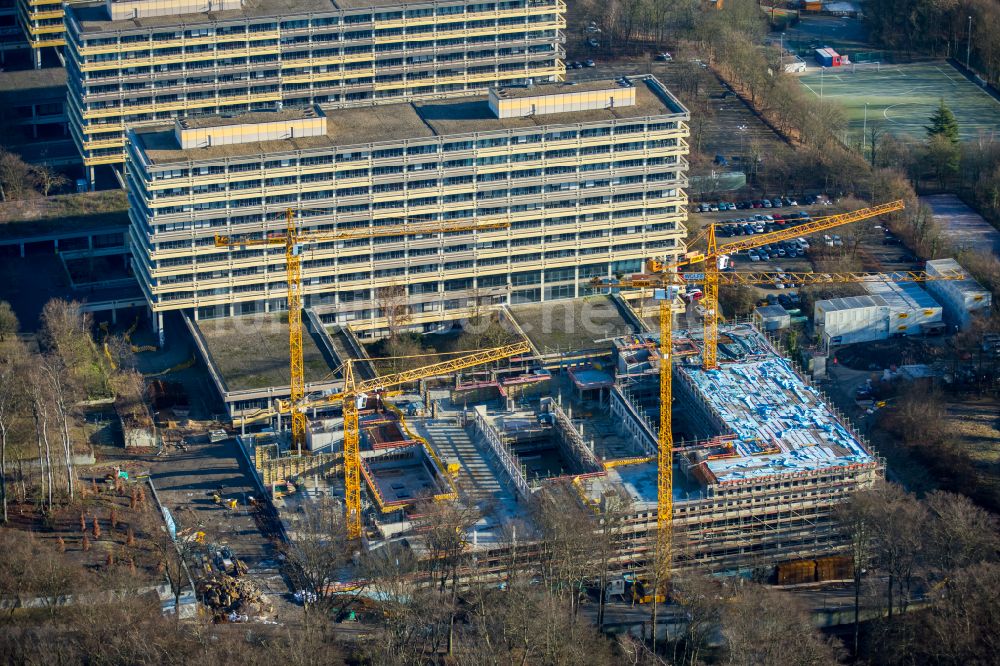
796	573
824	58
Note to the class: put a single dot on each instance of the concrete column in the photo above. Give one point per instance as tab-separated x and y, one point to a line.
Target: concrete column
37	57
114	315
90	178
22	250
160	332
90	241
55	245
576	284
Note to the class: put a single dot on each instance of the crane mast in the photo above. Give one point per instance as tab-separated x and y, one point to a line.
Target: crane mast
297	382
349	399
292	241
713	252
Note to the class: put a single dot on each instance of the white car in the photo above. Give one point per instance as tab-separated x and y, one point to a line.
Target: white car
664	57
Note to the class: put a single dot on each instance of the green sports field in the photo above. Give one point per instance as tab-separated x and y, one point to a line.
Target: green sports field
903	97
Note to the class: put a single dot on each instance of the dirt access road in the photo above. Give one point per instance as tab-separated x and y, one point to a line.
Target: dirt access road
186	481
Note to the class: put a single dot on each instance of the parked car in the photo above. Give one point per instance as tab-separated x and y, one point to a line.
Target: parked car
589	63
576	64
593	43
664	57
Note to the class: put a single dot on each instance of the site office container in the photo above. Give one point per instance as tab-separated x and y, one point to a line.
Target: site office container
829	58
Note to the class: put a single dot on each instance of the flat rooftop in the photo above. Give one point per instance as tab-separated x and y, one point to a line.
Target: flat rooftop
250	118
571	324
779	423
561	88
361	126
251	352
902	295
639	481
33	84
93	16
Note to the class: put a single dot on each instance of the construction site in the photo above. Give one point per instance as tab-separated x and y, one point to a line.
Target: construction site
711	448
759	461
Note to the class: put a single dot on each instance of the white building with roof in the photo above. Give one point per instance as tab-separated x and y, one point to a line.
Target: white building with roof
850	319
910	306
961	298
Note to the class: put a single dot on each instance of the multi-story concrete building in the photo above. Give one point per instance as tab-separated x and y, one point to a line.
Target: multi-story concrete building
32	111
589	177
42	24
11	37
140	62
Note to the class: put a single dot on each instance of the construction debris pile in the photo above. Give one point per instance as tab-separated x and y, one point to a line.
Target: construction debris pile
233	599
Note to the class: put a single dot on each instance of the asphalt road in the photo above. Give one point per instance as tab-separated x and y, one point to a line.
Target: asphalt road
965	227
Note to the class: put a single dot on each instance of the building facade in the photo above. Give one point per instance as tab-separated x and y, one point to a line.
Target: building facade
42	25
141	62
588	176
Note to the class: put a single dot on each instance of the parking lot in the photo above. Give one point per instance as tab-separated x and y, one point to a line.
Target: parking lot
866	246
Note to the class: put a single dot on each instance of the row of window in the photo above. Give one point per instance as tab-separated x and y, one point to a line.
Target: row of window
292	200
434	286
425	63
522	278
431	183
443	146
314	22
233	222
287	44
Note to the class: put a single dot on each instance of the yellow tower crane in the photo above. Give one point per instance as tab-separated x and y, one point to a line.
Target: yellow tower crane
293	240
355	391
714	253
667	282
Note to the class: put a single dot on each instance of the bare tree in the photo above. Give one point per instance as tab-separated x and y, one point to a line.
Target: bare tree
959	534
758	623
566	541
47	179
57	380
858	519
170	553
445	526
12	403
15	177
9	325
319	551
702	600
614	510
40	412
394	304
